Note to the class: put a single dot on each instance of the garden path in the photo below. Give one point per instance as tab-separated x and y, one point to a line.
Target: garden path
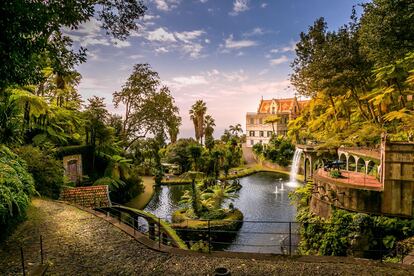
78	243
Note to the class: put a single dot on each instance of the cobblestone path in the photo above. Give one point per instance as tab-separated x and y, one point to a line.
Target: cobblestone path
78	243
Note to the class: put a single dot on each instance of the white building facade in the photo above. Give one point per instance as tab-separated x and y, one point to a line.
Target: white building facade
257	131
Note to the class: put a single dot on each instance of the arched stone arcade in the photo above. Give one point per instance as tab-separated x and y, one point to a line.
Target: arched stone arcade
358	163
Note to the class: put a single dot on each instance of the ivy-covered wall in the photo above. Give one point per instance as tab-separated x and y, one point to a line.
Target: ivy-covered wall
347	233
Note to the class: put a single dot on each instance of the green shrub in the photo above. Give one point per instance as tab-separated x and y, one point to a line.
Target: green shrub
16	187
48	173
258	148
302	195
347	233
132	186
335	174
279	150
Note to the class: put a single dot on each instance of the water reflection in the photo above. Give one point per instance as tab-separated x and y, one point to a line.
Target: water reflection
258	202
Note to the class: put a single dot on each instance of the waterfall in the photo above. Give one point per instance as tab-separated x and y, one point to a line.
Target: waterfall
295	165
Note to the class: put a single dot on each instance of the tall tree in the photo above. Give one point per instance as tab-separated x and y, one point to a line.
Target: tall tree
386	32
197	112
209	130
96	117
148	108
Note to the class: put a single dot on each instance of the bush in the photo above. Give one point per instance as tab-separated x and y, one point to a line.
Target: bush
132	186
48	173
335	174
16	187
348	233
279	150
258	148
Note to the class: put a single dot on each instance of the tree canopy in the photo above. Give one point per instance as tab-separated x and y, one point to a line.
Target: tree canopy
358	86
31	37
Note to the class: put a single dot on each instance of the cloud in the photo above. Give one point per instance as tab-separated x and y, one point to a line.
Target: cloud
89	33
263	72
229	43
166	5
238	76
193	49
161	50
203	1
86	41
290	48
263	5
161	35
239	6
149	17
186	42
254	32
188	36
213	72
138	56
120	43
90	84
184	81
279	60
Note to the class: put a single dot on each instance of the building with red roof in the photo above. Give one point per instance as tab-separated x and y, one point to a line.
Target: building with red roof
284	110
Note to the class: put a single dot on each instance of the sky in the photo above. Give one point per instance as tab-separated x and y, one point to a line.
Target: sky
229	53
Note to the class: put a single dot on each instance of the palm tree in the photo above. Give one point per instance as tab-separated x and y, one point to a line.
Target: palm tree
197	112
272	120
117	171
209	124
235	130
215	195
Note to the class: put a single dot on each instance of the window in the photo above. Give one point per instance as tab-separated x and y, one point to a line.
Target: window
251	142
251	133
251	121
269	134
260	141
273	110
261	133
260	121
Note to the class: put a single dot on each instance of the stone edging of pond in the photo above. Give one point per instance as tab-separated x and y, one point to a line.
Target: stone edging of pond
232	222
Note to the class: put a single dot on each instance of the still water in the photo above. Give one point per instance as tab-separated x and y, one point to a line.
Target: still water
266	213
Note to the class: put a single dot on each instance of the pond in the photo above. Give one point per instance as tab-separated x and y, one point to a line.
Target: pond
266	214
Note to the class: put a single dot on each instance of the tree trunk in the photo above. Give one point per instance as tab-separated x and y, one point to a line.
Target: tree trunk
333	105
356	98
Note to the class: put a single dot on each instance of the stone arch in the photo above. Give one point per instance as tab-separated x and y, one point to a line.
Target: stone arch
361	165
372	168
351	163
343	158
307	168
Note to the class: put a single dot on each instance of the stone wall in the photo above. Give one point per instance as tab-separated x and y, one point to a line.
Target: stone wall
394	198
328	193
397	176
